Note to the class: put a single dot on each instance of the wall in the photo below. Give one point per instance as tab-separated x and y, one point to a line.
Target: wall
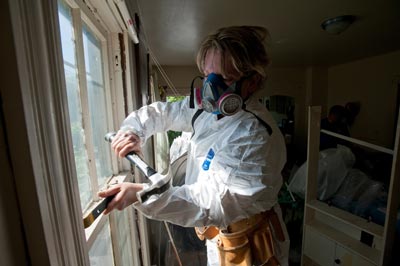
291	82
12	249
317	87
372	81
181	77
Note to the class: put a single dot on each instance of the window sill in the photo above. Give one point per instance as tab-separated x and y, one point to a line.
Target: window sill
92	231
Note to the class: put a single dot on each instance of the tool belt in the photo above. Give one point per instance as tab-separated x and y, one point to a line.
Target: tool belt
248	241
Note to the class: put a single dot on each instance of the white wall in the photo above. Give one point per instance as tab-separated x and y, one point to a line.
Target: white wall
181	77
291	82
372	81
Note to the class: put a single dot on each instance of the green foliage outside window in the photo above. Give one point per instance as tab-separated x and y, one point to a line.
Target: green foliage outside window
173	134
172	99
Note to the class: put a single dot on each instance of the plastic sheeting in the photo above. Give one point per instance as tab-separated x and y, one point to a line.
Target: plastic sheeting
333	167
191	250
345	187
357	193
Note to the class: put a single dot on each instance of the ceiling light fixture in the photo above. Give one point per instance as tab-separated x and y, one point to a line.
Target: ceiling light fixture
338	24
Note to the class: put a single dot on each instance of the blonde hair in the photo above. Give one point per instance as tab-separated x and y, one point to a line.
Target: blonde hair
242	45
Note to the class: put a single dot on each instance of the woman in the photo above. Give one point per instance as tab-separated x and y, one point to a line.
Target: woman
235	157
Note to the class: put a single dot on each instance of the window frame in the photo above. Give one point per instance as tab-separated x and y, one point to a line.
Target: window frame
111	56
78	18
53	229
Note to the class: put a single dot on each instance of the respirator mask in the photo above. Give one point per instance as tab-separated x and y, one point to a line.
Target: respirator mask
216	97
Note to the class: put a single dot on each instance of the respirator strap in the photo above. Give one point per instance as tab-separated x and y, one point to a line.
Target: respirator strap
191	100
198	112
268	127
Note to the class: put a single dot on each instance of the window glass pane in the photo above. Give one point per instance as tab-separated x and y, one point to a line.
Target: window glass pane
101	254
97	104
74	102
124	238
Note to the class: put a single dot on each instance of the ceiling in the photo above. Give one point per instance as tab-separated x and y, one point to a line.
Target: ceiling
173	29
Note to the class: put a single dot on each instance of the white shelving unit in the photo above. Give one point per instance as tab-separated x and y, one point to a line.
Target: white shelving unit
331	236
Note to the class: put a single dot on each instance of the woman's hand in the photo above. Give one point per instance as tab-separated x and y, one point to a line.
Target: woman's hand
125	195
125	142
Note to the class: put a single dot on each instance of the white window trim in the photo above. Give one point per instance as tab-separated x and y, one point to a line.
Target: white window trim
111	57
77	17
77	25
36	35
58	219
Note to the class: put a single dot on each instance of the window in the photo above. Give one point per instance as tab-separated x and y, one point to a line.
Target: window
111	239
74	103
173	134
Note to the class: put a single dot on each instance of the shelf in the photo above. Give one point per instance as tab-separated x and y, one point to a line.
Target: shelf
348	218
366	252
359	142
342	227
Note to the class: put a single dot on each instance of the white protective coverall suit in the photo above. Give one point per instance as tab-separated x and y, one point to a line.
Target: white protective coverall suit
241	176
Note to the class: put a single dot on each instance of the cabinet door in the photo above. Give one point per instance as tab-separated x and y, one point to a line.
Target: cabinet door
345	257
319	248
